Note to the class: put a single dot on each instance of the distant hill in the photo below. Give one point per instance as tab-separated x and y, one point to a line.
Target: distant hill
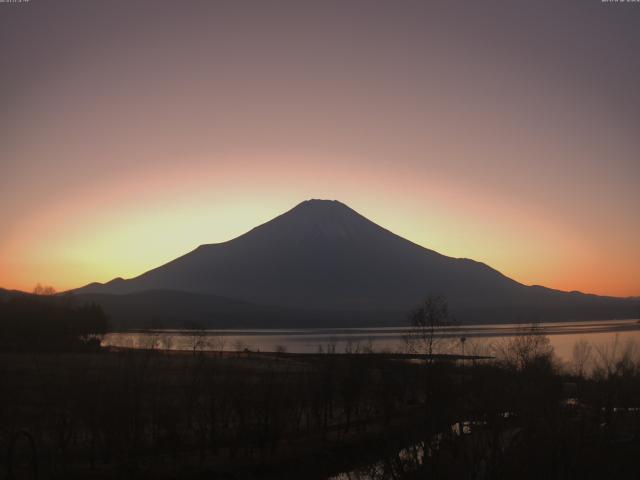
322	263
6	294
175	309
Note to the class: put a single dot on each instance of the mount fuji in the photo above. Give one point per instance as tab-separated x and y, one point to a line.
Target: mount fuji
323	264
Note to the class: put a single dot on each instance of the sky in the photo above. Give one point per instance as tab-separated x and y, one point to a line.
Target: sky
504	131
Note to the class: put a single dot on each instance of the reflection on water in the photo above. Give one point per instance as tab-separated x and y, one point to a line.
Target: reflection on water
408	460
563	336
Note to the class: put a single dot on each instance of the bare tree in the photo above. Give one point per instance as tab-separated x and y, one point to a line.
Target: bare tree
581	357
44	290
617	358
426	320
477	348
217	342
197	338
528	346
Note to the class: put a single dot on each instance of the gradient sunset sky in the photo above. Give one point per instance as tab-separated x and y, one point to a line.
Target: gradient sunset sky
507	132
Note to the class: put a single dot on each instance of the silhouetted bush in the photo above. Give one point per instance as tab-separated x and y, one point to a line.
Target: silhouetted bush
42	323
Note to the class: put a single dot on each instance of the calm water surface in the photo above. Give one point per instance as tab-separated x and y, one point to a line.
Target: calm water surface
563	336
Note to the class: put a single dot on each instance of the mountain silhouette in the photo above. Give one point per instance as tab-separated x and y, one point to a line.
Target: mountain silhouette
323	256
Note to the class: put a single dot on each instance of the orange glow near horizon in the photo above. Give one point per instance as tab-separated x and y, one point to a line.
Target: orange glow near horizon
129	228
504	142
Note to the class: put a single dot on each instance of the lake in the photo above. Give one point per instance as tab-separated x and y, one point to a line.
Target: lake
479	338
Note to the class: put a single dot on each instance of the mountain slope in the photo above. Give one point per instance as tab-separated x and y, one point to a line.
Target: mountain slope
324	255
321	254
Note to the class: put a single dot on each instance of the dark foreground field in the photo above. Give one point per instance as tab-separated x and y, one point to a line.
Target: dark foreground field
149	414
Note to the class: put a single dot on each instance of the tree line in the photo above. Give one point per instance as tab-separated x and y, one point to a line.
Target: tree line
45	321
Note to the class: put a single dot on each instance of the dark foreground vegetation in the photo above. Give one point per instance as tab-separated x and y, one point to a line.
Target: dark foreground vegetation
149	414
83	412
45	322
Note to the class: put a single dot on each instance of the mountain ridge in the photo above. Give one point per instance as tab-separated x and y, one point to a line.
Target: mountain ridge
323	255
